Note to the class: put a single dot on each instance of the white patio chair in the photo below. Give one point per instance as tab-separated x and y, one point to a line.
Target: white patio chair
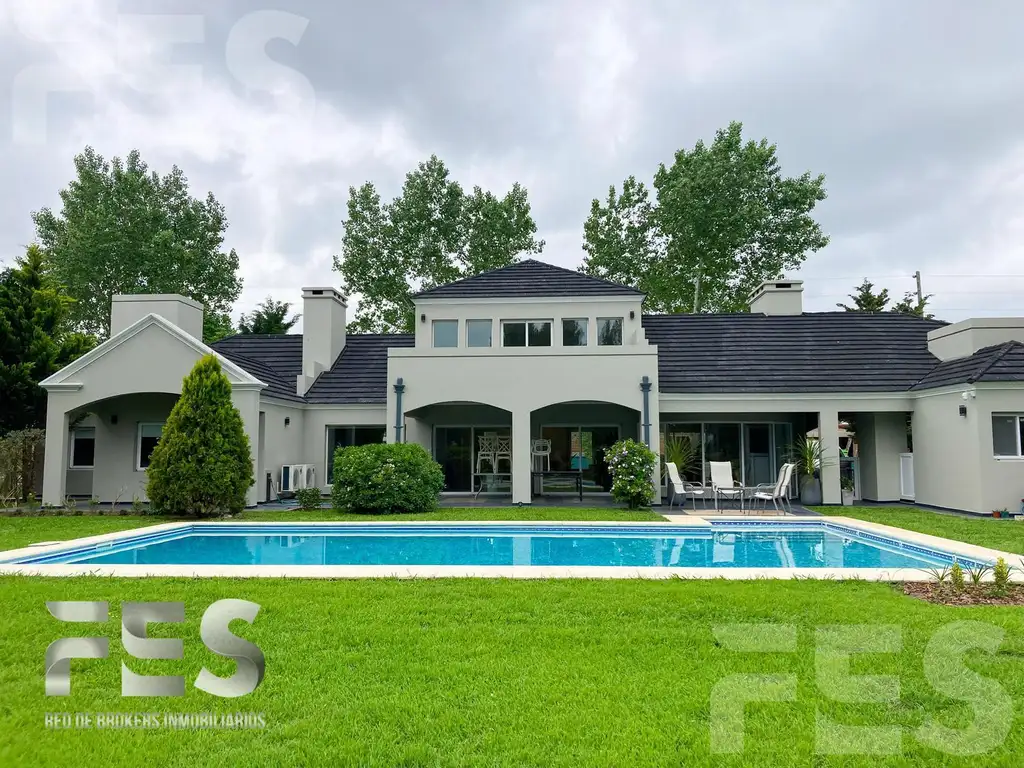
779	492
503	452
487	449
722	484
679	487
541	454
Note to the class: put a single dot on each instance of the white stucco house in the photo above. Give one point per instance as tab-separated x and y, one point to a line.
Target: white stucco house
534	351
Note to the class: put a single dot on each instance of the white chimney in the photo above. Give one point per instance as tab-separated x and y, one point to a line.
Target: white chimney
965	338
778	297
323	333
182	311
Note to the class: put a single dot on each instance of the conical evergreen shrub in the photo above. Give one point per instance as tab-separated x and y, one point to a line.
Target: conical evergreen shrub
202	465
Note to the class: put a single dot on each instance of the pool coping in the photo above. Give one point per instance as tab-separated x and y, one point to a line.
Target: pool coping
947	546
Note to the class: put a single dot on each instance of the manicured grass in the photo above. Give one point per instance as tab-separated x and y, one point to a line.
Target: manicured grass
1005	535
21	531
491	673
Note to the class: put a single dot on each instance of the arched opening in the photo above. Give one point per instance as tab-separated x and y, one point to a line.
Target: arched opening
470	440
576	436
108	445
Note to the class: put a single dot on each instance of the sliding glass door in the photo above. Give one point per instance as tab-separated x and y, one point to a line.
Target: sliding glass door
580	449
755	450
456	449
453	450
757	459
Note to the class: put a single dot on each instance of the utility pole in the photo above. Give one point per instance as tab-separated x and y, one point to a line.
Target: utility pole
920	293
696	292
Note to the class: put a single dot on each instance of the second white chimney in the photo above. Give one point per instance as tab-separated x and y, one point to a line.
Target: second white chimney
323	333
778	297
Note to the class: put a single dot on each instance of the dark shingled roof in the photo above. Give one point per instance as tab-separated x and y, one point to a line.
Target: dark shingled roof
526	279
274	359
360	374
1001	362
733	353
817	352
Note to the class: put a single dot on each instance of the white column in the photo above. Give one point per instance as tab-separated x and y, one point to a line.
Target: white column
828	433
248	404
55	455
655	443
521	478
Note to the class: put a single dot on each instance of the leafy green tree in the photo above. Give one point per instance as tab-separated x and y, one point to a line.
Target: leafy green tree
36	339
202	465
433	233
725	217
217	325
270	317
866	300
125	229
910	305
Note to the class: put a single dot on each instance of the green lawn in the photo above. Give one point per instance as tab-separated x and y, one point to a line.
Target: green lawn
491	673
500	672
21	531
1005	535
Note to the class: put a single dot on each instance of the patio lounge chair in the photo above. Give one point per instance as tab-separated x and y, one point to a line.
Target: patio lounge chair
722	483
678	487
779	492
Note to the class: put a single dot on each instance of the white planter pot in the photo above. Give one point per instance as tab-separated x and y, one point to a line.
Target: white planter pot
847	498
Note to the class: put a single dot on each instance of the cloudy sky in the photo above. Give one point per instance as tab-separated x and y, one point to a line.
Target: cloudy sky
913	111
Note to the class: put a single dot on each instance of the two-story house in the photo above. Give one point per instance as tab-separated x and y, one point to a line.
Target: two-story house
534	352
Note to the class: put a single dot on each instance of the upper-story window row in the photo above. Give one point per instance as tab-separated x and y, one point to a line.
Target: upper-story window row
527	333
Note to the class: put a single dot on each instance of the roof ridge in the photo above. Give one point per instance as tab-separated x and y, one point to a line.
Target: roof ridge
1000	351
426	293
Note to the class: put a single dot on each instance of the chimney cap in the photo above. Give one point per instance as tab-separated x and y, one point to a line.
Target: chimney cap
324	292
777	285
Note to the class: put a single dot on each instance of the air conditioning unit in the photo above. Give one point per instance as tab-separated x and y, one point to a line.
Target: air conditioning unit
293	477
310	479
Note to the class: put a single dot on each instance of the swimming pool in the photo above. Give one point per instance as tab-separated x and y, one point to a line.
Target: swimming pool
716	544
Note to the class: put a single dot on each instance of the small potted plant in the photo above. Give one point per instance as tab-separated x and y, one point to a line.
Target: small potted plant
846	484
997	513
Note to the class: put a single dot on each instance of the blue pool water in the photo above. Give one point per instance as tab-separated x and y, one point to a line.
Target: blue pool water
724	545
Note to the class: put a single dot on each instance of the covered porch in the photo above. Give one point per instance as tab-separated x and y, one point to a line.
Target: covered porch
554	453
861	450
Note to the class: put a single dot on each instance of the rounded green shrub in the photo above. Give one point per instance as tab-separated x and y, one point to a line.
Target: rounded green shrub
202	465
385	479
631	464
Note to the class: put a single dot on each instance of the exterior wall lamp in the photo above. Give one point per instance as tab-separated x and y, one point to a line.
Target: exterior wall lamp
963	409
423	318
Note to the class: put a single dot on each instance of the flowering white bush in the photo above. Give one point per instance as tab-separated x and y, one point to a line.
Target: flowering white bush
631	464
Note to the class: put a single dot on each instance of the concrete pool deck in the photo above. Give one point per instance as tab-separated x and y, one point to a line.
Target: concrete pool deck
680	522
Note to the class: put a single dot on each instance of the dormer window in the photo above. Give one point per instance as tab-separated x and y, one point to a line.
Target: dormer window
526	333
478	333
574	333
446	333
609	331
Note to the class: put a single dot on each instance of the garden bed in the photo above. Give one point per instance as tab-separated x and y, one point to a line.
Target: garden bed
983	594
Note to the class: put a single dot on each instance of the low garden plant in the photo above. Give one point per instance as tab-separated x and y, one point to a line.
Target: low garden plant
308	498
631	464
385	479
202	465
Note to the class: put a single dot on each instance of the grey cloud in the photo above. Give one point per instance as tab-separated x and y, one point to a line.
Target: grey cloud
905	107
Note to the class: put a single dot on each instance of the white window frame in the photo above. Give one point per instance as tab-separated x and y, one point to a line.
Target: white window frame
433	332
622	331
586	331
1017	418
71	453
138	441
526	323
490	324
